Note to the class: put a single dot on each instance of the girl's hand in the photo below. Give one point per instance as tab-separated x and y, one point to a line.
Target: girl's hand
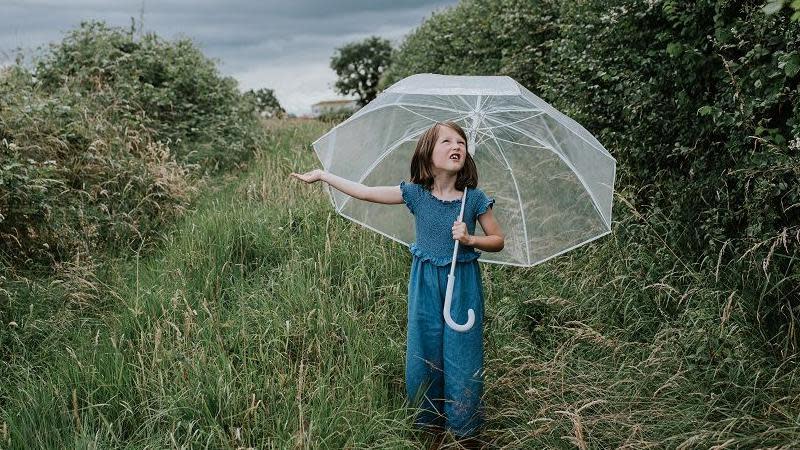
309	177
460	233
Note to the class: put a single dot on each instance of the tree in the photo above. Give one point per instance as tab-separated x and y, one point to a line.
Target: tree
359	65
265	103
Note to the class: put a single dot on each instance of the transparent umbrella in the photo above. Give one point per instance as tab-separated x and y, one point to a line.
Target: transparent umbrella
553	182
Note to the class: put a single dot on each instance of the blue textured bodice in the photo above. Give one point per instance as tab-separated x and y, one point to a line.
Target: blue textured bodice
434	219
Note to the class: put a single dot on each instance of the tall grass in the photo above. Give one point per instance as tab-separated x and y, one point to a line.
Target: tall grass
267	321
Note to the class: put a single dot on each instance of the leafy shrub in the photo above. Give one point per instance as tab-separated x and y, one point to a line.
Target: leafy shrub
698	101
102	142
168	87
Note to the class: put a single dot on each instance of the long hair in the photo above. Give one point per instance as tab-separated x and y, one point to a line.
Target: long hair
422	161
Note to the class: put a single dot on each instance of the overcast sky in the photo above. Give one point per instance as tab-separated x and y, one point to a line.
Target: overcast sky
284	45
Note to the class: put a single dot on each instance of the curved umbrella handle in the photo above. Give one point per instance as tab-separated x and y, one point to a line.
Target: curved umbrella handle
448	298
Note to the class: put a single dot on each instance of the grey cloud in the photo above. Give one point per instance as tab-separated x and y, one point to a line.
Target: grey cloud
283	8
286	38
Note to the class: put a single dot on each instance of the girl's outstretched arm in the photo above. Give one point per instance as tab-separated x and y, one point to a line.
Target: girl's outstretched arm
390	195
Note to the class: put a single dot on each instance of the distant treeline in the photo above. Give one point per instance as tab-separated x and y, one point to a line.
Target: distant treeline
698	101
103	140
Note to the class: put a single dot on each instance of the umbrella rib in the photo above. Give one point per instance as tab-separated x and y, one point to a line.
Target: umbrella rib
525	133
602	150
440	108
595	203
497	111
519	143
363	111
511	123
569	164
519	198
421	115
464	101
482	101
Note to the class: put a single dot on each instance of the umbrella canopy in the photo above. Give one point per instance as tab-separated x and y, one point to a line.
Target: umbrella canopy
551	179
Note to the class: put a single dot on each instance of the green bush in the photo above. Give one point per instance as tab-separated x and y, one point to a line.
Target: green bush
168	87
102	142
698	101
479	37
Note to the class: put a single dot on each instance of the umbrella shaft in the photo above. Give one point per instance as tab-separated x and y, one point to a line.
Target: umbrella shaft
455	247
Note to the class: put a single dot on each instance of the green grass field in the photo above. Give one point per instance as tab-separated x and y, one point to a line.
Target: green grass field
265	320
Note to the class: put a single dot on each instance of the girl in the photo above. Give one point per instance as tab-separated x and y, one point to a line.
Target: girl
444	367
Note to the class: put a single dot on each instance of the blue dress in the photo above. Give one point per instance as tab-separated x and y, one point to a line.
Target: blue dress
444	367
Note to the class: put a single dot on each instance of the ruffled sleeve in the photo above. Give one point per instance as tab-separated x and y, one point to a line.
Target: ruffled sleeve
483	204
409	195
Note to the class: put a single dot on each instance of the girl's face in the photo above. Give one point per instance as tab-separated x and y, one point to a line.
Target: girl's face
450	151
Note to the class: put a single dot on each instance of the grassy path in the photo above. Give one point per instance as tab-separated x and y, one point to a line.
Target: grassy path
267	321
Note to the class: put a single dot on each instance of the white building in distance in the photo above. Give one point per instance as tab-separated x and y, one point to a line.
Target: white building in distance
333	106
